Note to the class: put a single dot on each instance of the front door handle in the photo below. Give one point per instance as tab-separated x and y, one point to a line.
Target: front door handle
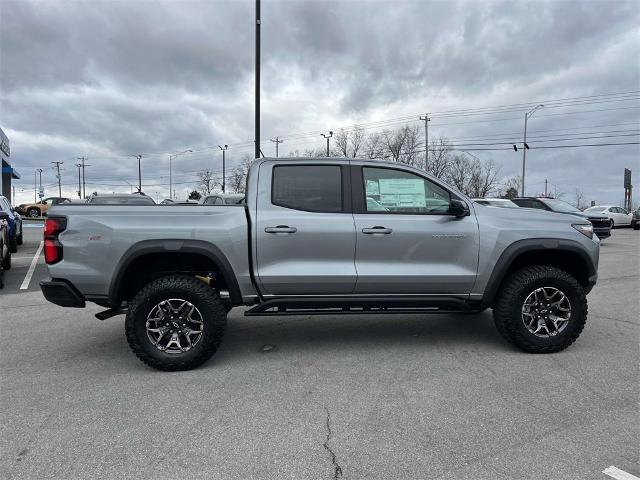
377	230
281	229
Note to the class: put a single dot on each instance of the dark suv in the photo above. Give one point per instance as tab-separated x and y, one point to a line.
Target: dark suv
601	223
635	220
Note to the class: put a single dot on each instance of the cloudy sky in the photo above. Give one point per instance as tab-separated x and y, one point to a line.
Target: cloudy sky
107	80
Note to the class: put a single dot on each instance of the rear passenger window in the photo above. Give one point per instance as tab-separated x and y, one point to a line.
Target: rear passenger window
312	188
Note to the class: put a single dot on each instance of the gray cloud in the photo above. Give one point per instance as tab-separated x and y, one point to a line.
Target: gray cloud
110	79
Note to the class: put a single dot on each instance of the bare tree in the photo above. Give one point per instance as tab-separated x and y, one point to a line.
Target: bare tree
374	146
578	200
341	143
207	181
511	187
483	178
439	158
458	173
412	146
393	141
238	179
357	140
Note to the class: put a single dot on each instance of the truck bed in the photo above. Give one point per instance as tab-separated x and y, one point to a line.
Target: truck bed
98	238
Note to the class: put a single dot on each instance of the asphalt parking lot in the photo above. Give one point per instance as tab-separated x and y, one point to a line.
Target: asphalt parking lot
354	397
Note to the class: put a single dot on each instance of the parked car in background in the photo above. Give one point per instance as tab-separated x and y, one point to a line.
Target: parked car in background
223	199
39	209
167	201
496	202
601	223
618	215
5	254
120	199
14	221
635	219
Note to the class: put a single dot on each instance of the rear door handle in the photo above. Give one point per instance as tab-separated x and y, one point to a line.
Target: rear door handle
377	230
281	229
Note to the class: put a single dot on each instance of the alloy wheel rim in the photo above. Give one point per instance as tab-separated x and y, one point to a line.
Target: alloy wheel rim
174	326
546	312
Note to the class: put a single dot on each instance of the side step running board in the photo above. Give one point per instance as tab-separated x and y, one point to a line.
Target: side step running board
112	312
359	305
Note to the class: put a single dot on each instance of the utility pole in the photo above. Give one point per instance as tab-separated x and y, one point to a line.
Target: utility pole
327	137
527	116
79	165
277	141
223	166
257	86
39	170
139	157
82	159
545	187
35	186
426	119
57	164
171	157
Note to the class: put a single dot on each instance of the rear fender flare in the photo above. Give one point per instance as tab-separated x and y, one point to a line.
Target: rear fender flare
175	246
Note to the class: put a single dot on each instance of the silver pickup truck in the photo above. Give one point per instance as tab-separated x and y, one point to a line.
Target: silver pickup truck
320	236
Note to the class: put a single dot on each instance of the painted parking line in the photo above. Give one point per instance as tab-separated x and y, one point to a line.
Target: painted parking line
32	267
618	474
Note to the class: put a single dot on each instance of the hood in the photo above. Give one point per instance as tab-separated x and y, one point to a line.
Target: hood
517	216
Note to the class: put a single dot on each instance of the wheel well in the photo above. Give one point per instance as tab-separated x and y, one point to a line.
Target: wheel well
148	267
567	260
34	207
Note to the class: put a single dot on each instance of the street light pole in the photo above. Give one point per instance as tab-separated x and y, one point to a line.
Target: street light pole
527	116
79	165
223	166
139	157
39	170
257	84
426	119
35	186
327	137
277	141
171	157
82	159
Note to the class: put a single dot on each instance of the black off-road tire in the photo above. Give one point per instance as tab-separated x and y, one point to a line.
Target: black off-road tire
6	262
205	299
19	239
636	226
507	311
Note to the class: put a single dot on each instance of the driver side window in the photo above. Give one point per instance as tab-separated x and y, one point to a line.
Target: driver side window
388	190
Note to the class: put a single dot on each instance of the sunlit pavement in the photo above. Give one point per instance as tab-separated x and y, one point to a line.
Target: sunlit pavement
366	397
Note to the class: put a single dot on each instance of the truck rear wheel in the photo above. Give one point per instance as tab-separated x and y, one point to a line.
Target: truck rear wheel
175	323
541	309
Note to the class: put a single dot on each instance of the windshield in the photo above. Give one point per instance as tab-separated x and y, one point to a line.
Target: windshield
596	209
560	206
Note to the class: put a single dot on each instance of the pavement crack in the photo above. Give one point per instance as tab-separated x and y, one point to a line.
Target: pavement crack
337	469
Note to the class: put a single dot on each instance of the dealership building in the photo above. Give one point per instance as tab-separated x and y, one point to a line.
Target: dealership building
8	172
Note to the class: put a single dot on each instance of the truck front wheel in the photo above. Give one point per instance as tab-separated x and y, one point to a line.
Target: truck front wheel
541	309
175	323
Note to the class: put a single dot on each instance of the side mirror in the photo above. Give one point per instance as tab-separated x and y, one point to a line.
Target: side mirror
458	208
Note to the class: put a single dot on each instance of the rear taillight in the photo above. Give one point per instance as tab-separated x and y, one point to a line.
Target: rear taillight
53	226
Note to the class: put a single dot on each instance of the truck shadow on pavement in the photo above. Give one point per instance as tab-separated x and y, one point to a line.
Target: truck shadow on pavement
318	336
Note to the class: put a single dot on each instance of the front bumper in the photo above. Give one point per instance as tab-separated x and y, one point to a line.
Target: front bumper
61	292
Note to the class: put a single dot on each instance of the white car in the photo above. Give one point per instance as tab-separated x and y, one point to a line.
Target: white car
496	202
618	215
